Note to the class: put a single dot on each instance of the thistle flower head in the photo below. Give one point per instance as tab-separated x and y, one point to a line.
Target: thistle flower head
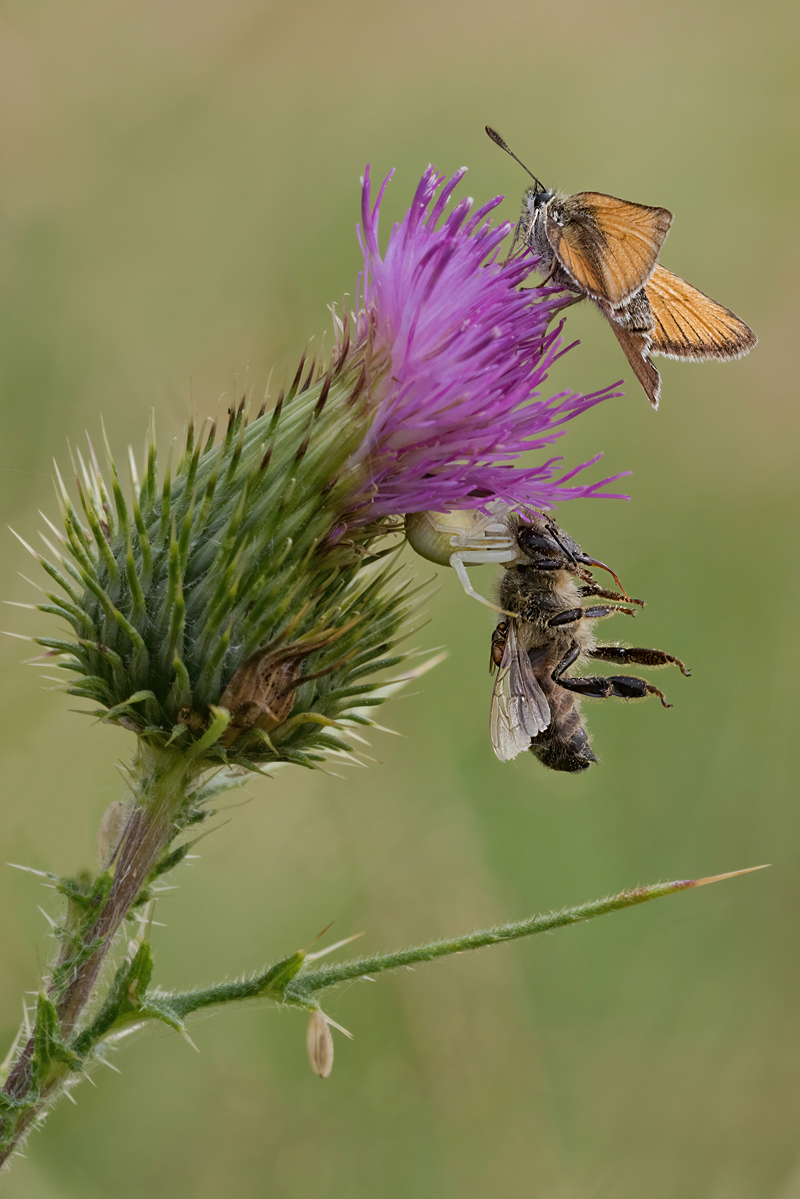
234	610
466	356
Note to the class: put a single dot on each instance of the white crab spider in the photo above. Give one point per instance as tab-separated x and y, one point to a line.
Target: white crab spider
463	538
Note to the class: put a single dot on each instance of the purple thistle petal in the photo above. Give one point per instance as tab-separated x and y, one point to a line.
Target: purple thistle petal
462	358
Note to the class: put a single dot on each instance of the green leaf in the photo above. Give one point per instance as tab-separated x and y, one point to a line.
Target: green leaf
278	978
89	896
221	720
159	1009
136	698
49	1050
124	998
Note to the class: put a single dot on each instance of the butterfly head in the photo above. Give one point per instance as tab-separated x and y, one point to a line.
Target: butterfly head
536	198
535	203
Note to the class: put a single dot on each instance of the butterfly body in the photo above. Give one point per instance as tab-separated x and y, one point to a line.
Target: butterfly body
606	250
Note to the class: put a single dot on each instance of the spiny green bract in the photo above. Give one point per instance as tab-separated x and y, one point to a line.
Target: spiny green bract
228	611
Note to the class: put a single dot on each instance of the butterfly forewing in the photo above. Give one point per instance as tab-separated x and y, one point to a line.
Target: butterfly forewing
519	710
608	246
578	246
688	324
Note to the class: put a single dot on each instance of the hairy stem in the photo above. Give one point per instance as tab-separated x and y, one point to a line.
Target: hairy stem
160	784
298	986
334	973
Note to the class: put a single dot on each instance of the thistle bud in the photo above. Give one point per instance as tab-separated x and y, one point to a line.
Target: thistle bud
320	1044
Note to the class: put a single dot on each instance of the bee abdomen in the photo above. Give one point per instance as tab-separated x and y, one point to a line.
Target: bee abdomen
565	744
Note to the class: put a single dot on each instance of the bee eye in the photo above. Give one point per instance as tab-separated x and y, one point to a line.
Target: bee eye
532	544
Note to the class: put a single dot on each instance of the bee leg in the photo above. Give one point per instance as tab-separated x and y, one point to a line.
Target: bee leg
572	655
573	614
615	686
638	657
596	589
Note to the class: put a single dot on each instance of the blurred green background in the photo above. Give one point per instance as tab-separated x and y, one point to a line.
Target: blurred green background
179	198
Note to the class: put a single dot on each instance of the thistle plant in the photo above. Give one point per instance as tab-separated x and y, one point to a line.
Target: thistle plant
238	611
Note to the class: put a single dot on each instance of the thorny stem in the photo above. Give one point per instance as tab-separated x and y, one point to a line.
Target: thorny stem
160	783
149	831
331	975
301	987
285	982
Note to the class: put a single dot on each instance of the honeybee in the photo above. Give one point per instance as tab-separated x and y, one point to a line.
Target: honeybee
606	250
534	700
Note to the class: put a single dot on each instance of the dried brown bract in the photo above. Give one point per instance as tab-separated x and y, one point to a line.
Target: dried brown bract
320	1044
261	693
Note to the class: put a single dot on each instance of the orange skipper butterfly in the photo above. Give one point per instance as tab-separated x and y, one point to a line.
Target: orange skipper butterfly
606	250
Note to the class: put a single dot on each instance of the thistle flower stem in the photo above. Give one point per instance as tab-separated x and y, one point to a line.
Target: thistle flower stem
160	782
150	828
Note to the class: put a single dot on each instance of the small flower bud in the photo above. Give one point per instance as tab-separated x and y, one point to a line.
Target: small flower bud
320	1044
110	831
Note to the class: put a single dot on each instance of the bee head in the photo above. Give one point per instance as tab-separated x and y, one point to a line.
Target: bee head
541	540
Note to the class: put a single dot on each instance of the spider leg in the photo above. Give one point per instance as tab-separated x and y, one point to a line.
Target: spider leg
458	566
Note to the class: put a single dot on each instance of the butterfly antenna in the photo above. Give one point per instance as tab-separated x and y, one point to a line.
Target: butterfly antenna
497	139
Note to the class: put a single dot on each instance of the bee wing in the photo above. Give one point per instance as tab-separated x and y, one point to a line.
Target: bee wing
637	347
608	246
519	709
688	324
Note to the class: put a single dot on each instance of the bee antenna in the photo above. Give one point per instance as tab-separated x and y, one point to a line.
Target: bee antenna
497	139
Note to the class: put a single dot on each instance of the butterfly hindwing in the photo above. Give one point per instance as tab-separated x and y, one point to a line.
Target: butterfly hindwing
688	324
608	246
636	347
